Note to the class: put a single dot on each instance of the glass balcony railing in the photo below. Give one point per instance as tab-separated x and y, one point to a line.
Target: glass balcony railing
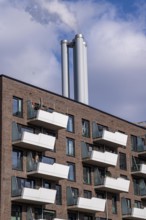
101	135
24	137
89	205
46	118
23	190
96	157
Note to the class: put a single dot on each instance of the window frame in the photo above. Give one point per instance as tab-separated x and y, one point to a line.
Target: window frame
17	107
70	125
84	132
18	159
70	148
71	172
87	175
122	161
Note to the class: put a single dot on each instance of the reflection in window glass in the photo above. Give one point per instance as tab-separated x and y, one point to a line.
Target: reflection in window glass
17	107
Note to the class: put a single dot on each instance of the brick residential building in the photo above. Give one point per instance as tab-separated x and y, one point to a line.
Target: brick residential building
61	159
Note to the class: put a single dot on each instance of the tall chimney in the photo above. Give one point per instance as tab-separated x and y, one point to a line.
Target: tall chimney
65	68
80	68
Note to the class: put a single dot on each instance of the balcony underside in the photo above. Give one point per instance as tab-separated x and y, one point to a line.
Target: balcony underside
106	142
139	174
98	163
108	189
30	146
133	218
44	176
44	124
76	208
22	200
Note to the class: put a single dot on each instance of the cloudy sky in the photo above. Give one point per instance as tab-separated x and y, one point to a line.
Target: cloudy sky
115	31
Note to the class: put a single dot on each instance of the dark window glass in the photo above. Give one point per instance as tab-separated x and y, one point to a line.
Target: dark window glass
72	216
114	204
87	194
100	195
16	212
58	195
138	204
87	175
122	161
46	184
88	217
48	160
133	142
17	107
49	215
70	124
70	147
17	160
85	128
71	175
75	194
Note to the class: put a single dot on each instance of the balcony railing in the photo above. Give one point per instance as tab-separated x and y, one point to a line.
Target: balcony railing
91	205
95	157
111	184
136	213
39	142
139	170
35	196
48	171
47	118
116	139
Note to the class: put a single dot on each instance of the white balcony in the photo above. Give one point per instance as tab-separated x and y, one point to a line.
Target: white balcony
39	142
51	120
50	171
137	214
89	205
141	171
103	159
36	196
113	139
114	185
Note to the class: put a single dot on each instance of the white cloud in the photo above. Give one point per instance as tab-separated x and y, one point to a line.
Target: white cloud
30	31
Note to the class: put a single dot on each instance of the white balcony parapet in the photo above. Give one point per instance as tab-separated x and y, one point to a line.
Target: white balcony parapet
38	196
89	205
52	120
117	138
36	141
51	171
115	185
136	213
141	171
105	158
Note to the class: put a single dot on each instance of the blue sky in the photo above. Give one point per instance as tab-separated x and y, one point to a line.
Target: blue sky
115	31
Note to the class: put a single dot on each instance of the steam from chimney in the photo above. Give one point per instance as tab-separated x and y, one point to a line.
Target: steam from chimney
79	47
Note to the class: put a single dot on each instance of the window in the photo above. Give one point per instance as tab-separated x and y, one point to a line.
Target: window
48	214
71	175
137	204
137	143
17	107
122	161
85	128
46	184
17	160
114	204
70	147
72	216
87	194
75	194
70	124
48	160
100	194
87	175
58	195
88	217
16	212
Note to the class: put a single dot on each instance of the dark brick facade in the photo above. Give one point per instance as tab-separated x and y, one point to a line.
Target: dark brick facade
11	87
